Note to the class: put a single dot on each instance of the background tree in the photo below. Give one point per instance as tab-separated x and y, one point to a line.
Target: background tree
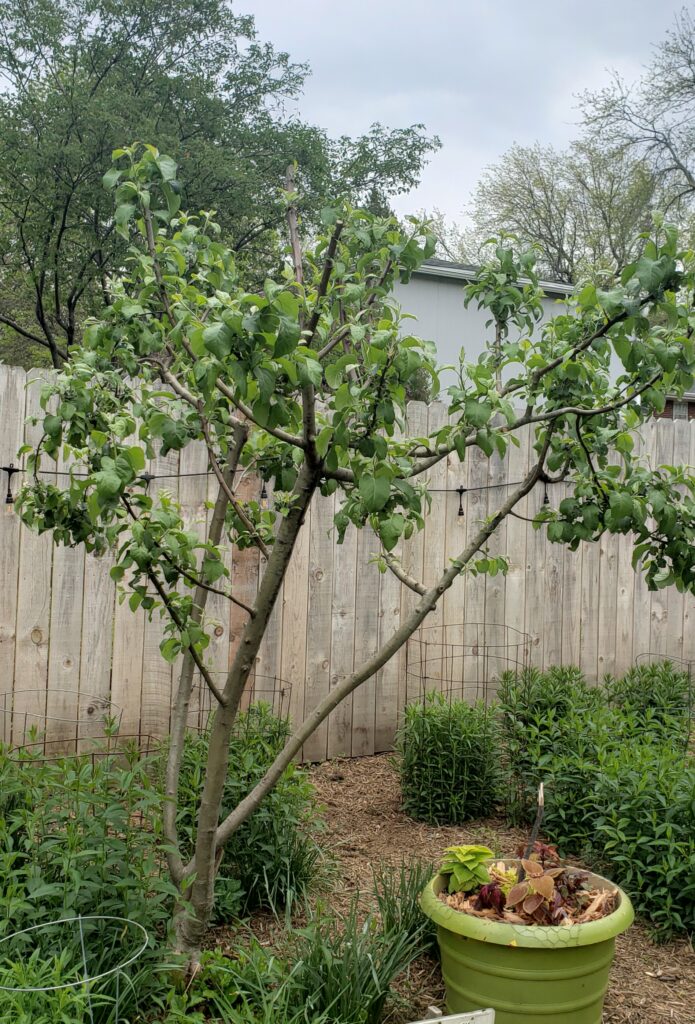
80	76
584	209
654	119
250	375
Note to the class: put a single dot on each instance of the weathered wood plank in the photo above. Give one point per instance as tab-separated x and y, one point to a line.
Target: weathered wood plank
155	701
318	631
343	641
366	640
12	405
295	599
33	598
413	552
658	633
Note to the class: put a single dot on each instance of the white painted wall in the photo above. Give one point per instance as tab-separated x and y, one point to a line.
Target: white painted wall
437	303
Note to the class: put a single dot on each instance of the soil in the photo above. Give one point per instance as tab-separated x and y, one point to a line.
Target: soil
650	984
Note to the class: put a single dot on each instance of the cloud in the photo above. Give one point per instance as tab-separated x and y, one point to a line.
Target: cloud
480	75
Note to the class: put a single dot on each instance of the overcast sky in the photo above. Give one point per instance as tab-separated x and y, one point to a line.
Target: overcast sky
480	75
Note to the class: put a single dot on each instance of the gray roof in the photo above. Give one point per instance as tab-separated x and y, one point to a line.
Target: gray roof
468	272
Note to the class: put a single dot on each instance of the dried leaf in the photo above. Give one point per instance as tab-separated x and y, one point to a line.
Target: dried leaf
516	894
532	903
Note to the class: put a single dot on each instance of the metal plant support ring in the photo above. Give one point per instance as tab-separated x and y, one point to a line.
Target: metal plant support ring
26	722
83	980
463	660
86	980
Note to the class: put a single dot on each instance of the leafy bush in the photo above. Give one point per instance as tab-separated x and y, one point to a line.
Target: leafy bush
619	786
533	710
660	694
645	831
449	760
274	857
78	838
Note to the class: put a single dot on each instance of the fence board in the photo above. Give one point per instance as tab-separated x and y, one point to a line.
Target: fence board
33	599
60	627
12	403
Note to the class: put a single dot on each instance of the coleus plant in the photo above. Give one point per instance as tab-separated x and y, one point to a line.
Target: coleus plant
548	892
466	867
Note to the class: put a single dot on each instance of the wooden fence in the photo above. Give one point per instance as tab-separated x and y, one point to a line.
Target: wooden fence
67	643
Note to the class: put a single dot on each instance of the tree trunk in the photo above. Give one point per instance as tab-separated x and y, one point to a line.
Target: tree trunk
191	926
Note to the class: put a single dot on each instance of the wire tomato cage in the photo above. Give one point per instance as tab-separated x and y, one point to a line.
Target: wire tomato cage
89	955
55	722
463	660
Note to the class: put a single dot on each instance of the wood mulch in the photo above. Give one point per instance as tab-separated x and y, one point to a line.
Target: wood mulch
650	984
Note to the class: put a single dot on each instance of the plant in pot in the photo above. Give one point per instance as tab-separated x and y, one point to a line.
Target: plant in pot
530	937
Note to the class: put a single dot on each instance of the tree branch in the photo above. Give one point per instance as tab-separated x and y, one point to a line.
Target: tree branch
400	573
429	600
236	505
183	693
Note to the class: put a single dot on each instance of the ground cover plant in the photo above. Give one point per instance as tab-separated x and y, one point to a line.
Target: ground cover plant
185	352
619	781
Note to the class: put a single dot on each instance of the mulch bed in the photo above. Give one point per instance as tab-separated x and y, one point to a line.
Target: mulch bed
650	984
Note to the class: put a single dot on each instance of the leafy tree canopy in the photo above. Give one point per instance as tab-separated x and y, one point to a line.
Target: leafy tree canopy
584	209
193	78
185	352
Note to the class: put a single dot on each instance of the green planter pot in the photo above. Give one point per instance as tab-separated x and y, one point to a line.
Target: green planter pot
528	974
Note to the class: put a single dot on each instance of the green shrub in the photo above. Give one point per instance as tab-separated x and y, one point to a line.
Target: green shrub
619	787
533	714
661	695
71	844
644	829
274	857
449	760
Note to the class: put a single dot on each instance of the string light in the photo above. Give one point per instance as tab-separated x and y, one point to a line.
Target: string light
9	497
264	501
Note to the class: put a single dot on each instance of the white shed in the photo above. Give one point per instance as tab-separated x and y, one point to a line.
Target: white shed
434	295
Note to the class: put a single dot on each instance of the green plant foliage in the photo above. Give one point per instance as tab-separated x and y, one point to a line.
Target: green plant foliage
337	969
466	867
397	896
79	836
659	692
619	783
449	760
274	858
645	830
531	706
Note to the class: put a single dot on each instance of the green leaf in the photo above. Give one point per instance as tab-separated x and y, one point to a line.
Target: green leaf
136	458
111	177
477	411
374	491
52	426
218	339
167	167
